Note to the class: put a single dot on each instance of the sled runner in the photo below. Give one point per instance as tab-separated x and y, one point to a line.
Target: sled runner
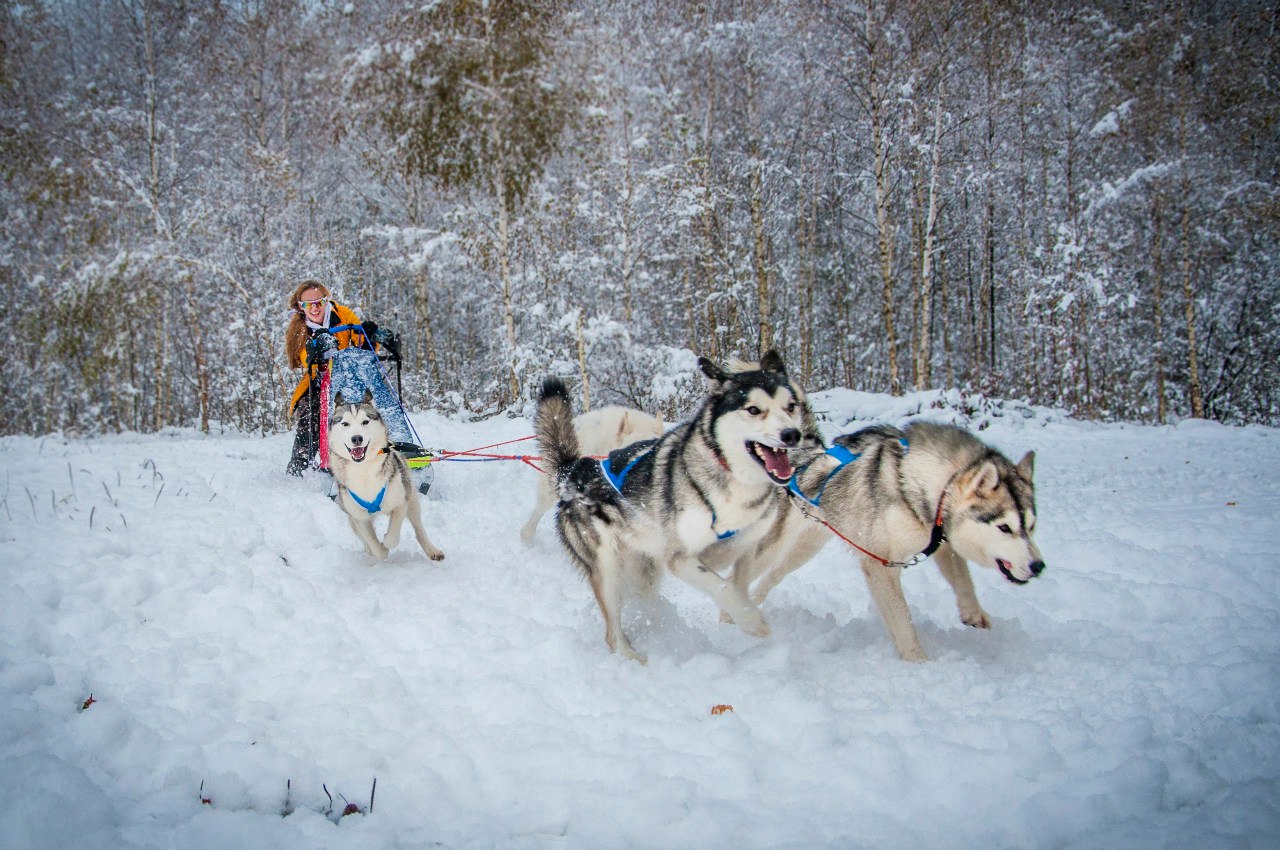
354	369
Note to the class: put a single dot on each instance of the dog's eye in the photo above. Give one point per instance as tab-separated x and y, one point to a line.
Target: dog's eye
1004	526
753	410
366	422
791	408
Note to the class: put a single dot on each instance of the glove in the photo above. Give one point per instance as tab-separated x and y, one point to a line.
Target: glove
375	334
320	347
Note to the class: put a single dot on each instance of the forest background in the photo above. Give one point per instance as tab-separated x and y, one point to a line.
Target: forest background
1076	204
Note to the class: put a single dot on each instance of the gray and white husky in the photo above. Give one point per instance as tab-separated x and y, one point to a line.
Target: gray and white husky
659	504
899	496
373	479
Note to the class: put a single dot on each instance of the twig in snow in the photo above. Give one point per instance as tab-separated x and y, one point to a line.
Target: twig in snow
32	500
91	513
158	492
72	477
373	791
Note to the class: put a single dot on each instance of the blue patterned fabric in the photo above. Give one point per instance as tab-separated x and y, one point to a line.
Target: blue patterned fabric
356	370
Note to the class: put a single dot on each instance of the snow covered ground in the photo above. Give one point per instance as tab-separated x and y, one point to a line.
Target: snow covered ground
239	646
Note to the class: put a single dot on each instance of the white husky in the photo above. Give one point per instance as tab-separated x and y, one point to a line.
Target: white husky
373	479
600	431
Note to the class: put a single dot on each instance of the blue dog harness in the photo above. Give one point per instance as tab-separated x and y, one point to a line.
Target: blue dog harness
841	454
372	507
617	479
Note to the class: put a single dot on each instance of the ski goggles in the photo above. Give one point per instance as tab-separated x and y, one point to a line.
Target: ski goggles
315	302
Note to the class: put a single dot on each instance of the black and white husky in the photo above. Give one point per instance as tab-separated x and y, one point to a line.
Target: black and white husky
373	479
659	504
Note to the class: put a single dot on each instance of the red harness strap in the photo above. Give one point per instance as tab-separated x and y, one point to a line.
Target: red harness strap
936	538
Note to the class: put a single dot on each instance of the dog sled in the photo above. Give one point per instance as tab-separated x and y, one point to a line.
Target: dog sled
355	369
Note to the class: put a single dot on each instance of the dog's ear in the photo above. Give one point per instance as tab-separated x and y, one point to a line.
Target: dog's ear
772	362
986	479
367	397
712	371
1027	466
337	399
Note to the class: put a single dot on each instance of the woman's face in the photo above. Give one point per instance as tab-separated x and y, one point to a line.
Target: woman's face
312	303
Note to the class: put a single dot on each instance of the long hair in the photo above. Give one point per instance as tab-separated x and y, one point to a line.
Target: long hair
295	335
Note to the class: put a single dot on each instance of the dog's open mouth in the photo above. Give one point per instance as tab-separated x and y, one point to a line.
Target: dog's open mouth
776	462
1007	569
357	452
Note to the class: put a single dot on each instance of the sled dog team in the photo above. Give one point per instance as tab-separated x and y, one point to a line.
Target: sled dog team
735	498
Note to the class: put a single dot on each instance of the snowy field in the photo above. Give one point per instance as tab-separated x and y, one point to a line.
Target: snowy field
243	655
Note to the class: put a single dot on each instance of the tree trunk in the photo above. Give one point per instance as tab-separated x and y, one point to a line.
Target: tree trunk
884	225
195	328
760	240
628	219
1157	298
582	364
1188	277
422	314
923	345
508	305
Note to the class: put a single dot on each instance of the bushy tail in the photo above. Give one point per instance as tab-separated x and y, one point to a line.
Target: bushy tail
557	440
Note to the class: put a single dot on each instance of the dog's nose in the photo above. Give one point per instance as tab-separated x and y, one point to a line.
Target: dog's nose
790	436
357	440
1037	567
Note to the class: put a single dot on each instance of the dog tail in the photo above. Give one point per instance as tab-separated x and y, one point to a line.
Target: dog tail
553	423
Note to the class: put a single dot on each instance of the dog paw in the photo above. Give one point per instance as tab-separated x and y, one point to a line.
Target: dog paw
726	617
978	619
435	555
915	655
754	624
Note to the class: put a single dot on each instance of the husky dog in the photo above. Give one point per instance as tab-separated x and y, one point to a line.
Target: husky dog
373	479
660	504
899	496
599	432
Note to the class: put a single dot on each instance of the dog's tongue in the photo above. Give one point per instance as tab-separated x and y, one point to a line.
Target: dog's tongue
776	461
357	452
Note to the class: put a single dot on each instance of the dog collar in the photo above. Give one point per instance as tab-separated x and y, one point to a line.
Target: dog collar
720	535
372	507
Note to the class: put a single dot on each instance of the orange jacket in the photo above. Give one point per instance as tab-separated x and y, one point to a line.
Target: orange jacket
339	316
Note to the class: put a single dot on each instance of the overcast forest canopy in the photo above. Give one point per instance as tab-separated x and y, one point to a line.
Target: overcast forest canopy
1074	204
